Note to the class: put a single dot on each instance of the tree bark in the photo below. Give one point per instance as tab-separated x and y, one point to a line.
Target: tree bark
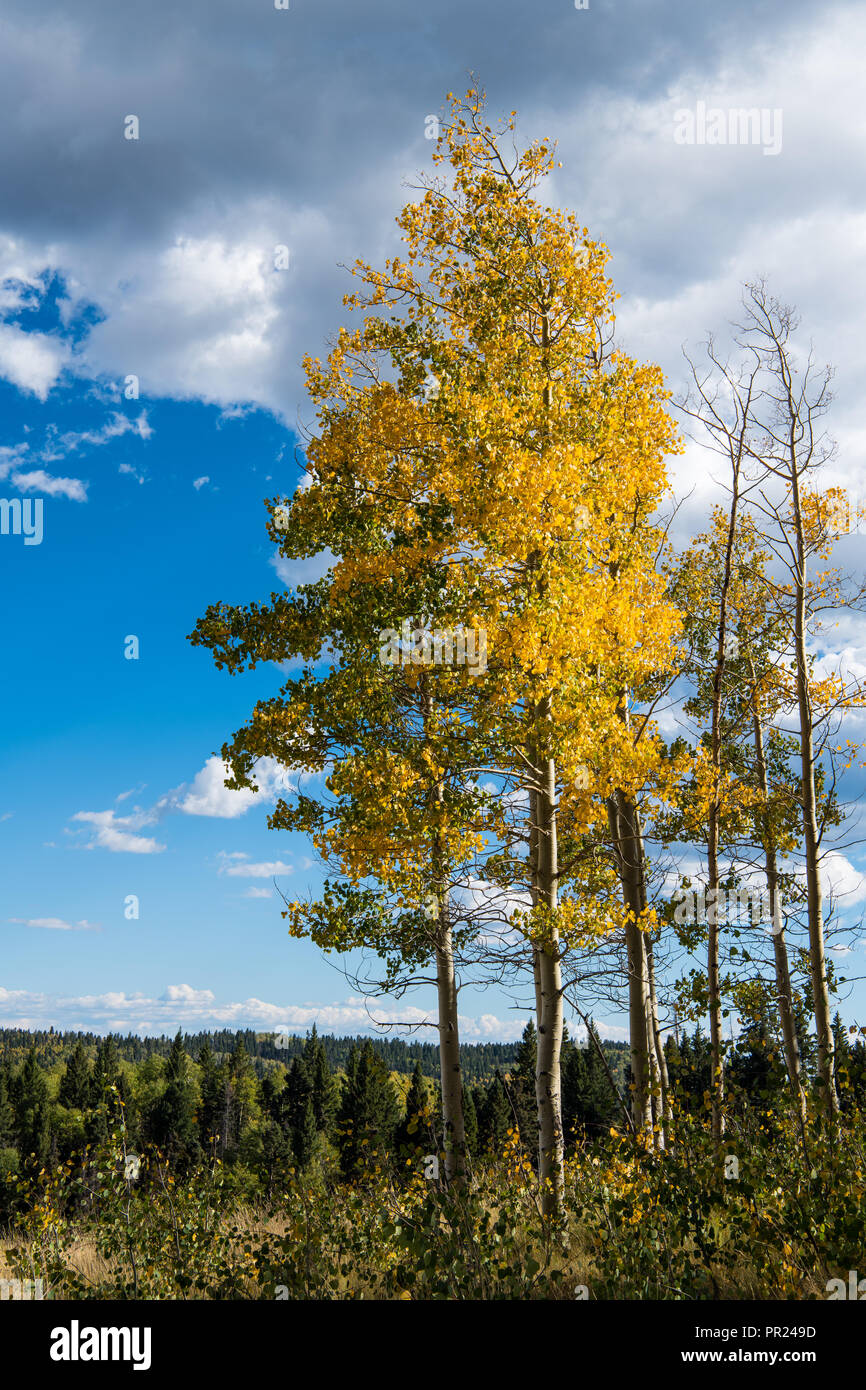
451	1077
450	1072
665	1115
811	836
548	1090
622	819
780	949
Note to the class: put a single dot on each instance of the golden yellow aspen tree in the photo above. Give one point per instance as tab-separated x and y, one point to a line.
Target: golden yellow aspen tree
477	435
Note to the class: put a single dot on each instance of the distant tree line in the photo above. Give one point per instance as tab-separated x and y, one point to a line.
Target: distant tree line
479	1061
193	1102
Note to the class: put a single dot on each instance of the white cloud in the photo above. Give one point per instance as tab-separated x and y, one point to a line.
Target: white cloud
56	924
258	893
839	877
40	481
304	571
264	870
186	1007
206	796
209	796
224	302
185	994
10	456
113	832
115	427
31	361
200	482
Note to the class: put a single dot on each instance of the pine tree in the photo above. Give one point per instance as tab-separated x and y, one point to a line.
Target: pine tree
691	1070
368	1113
106	1070
238	1107
210	1091
495	1118
589	1103
298	1110
7	1109
270	1089
324	1090
75	1087
172	1123
275	1155
413	1132
470	1120
31	1110
523	1088
843	1057
104	1108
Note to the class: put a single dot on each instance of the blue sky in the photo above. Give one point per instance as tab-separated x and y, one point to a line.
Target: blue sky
155	258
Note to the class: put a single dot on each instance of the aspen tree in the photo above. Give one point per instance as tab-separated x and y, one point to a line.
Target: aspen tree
476	435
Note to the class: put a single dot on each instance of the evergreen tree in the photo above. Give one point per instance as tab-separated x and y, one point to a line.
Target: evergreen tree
298	1111
844	1056
689	1071
238	1100
31	1110
470	1121
270	1090
495	1118
106	1092
368	1113
275	1155
413	1132
589	1104
75	1087
324	1090
172	1123
523	1089
210	1102
7	1110
757	1066
106	1071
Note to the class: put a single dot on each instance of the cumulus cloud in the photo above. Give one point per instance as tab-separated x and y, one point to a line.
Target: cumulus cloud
31	361
206	795
209	796
175	240
116	833
842	879
184	1006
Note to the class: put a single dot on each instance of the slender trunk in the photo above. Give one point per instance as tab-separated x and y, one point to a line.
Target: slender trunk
548	1091
661	1081
621	815
714	991
533	890
449	1055
780	948
811	836
661	1063
446	986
